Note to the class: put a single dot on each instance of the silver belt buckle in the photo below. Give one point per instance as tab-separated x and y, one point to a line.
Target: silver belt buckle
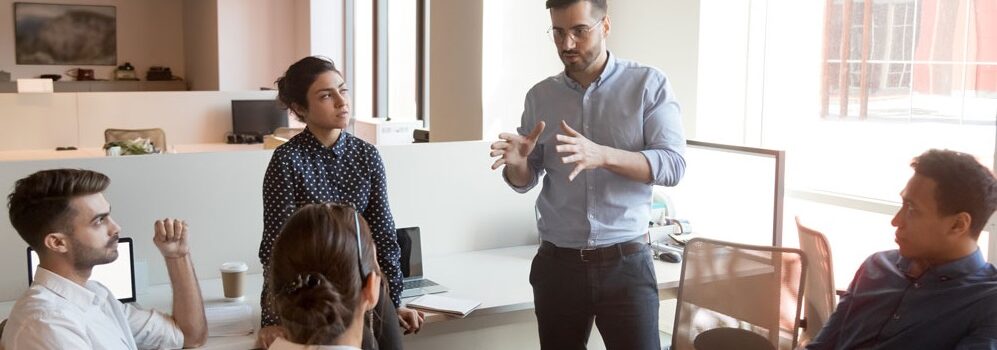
581	253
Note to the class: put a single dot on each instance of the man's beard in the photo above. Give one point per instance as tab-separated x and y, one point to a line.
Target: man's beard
583	62
87	258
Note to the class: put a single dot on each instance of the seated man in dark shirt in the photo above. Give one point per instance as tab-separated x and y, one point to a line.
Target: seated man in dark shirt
937	291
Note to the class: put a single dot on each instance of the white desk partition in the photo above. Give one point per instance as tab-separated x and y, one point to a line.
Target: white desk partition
447	189
732	193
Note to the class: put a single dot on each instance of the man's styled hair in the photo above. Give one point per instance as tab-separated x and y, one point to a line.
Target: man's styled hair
39	204
964	185
560	4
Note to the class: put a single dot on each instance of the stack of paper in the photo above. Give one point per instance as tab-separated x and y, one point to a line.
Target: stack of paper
442	304
228	318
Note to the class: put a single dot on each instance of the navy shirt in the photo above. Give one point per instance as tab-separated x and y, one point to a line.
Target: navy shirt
303	171
951	306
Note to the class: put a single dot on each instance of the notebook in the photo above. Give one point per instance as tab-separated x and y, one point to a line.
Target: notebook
415	283
118	275
444	304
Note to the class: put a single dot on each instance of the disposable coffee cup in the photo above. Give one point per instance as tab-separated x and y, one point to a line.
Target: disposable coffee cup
233	279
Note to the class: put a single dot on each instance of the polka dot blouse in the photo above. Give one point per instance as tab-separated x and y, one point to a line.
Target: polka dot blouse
302	171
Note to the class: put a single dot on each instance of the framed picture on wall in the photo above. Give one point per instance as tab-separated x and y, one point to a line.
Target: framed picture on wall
65	34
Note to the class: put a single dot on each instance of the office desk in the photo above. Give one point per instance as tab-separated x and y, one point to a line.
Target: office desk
499	278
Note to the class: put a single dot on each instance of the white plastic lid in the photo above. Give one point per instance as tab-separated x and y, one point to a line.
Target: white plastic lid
235	266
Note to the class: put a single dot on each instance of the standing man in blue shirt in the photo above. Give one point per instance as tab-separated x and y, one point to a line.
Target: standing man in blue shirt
936	291
615	130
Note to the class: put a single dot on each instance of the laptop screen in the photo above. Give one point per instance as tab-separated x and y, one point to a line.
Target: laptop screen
118	276
411	247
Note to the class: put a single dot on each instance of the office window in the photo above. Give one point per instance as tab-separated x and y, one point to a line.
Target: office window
852	90
387	58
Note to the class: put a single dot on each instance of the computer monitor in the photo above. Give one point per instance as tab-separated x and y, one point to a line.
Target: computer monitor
731	193
118	275
257	117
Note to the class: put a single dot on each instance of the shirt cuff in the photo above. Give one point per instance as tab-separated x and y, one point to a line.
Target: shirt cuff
523	189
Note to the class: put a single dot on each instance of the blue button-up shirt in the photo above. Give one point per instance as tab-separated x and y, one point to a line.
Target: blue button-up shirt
628	107
951	306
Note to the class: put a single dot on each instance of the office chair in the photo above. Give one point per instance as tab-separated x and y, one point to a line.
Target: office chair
738	296
156	136
820	296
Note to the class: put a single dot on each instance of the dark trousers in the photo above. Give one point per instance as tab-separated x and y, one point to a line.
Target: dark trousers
620	294
384	332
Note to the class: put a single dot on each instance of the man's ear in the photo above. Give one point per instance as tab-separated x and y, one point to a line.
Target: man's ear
606	26
961	223
57	242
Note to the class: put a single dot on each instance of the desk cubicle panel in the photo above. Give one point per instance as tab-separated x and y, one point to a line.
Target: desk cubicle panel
448	189
732	193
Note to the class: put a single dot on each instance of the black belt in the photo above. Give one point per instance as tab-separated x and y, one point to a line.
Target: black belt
612	252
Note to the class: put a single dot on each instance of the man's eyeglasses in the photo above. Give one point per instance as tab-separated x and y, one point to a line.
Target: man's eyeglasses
578	33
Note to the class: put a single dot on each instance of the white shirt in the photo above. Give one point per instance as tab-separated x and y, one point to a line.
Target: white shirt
284	344
56	313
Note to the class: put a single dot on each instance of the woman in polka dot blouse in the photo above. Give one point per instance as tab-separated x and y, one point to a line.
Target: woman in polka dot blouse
325	164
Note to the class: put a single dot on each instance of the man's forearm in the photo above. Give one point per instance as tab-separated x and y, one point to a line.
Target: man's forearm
188	306
518	176
632	165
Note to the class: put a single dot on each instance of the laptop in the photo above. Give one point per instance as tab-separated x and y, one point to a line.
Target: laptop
411	262
118	275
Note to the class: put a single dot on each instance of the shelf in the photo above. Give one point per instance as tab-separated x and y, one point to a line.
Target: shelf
107	85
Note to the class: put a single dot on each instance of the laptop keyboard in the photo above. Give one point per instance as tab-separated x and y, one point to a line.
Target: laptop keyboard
419	284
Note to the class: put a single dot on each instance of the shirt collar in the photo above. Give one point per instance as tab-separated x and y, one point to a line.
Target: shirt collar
69	290
949	271
337	148
606	72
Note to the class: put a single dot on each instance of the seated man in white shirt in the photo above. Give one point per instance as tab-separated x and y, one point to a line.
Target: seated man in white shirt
62	214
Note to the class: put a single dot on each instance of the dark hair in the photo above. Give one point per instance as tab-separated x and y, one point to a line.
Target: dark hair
963	185
39	204
292	88
560	4
314	277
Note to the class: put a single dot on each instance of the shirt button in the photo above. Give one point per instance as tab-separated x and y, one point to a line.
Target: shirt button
896	316
917	285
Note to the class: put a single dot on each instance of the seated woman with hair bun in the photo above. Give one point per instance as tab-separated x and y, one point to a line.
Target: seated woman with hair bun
325	279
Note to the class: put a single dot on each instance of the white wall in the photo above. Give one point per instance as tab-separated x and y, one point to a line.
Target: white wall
149	33
200	35
256	42
664	34
455	69
47	121
517	54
